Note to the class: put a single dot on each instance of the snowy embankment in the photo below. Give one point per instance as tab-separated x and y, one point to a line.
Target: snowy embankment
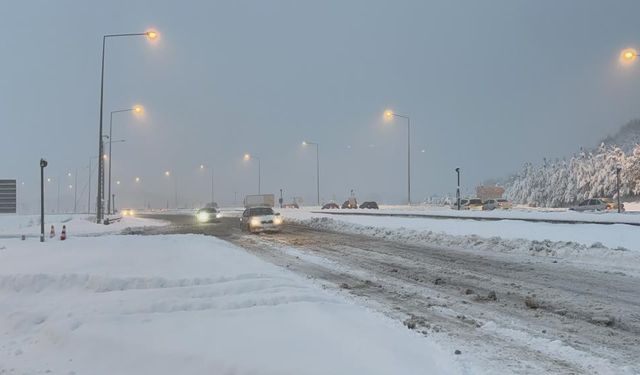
615	245
554	215
77	224
187	304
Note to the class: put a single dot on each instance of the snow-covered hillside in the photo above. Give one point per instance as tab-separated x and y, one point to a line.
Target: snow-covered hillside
586	174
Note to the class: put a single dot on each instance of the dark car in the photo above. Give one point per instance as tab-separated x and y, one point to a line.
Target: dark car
208	215
351	203
330	206
370	205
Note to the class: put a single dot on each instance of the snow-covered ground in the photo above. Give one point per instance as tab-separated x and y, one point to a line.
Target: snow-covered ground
77	224
611	245
187	304
518	213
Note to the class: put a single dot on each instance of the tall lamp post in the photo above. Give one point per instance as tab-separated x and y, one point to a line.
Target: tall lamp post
137	110
306	143
202	167
43	165
618	169
100	199
389	115
458	189
175	189
248	157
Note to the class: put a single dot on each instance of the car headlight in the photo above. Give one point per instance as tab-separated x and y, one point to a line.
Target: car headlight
255	222
277	220
218	215
203	216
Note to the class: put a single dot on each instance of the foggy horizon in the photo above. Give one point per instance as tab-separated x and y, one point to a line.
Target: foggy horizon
486	91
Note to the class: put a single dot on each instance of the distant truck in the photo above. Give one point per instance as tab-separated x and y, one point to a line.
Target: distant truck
263	200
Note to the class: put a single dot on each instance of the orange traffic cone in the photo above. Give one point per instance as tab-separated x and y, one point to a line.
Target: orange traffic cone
52	233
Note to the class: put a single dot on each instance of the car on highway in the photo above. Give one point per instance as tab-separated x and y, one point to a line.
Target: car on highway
369	205
498	203
597	204
330	206
208	215
290	205
261	219
463	202
350	203
127	212
474	204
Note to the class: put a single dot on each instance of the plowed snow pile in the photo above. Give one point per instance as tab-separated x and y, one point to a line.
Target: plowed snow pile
187	305
595	253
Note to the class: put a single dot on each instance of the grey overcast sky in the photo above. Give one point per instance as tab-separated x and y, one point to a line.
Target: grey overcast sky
488	84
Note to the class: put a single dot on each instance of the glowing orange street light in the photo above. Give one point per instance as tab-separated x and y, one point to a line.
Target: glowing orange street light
389	115
151	34
248	157
628	55
137	109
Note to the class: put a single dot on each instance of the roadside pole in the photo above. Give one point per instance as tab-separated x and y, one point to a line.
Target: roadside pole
458	189
43	164
618	169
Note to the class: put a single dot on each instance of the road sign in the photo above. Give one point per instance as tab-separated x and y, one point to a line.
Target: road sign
8	196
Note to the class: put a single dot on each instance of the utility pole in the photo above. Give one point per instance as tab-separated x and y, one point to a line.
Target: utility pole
43	164
89	194
458	189
58	201
618	169
75	193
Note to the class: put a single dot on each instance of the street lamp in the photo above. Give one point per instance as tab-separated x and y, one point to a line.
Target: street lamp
151	35
306	143
458	189
389	115
203	167
248	157
43	165
137	110
618	169
628	55
167	174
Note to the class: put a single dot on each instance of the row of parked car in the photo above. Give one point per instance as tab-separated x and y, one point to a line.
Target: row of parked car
478	204
351	204
598	204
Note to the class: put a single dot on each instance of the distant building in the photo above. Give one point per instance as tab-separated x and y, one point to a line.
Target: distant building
489	192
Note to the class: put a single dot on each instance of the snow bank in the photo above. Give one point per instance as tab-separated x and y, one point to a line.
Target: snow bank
521	238
77	224
186	305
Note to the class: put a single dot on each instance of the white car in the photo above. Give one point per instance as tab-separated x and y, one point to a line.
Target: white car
261	219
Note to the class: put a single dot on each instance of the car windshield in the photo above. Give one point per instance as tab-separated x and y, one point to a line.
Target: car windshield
502	200
261	211
475	201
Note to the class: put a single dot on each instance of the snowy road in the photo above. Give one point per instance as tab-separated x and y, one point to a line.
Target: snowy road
507	313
